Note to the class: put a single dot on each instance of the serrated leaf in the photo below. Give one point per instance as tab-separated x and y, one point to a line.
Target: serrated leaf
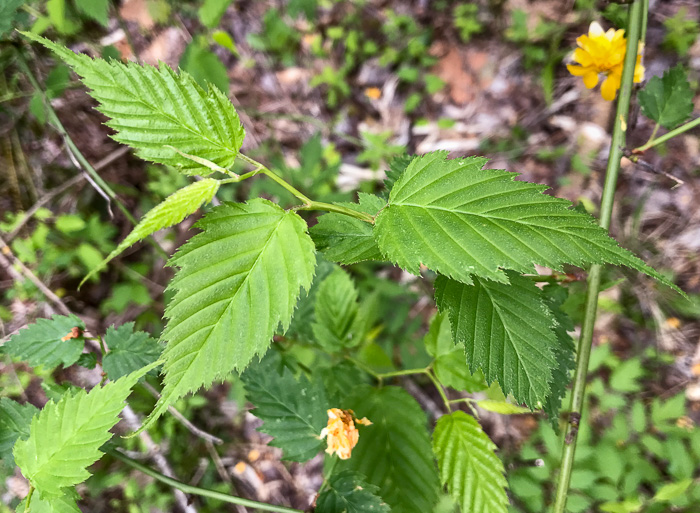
449	365
304	315
668	100
169	212
129	350
65	503
98	10
396	168
238	280
394	453
468	465
41	343
15	419
348	492
564	351
65	437
347	240
153	109
293	411
335	312
507	331
462	221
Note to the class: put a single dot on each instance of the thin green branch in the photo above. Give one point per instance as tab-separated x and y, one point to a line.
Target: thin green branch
195	490
635	21
670	135
440	390
29	499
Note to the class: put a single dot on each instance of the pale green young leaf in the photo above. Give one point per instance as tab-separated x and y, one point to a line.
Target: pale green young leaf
65	503
41	343
211	11
347	240
335	311
462	221
129	350
169	212
507	331
394	453
468	464
65	437
501	407
156	109
98	10
449	364
293	411
671	491
15	419
668	100
238	280
347	492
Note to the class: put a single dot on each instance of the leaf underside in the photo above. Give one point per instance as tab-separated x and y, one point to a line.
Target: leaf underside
507	332
152	108
237	282
462	221
468	465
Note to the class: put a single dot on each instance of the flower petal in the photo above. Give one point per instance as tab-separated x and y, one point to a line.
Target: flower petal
595	30
610	86
590	79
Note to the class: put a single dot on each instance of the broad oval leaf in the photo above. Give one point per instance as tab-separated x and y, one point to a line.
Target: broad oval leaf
238	280
48	342
348	492
394	453
507	331
154	110
65	437
463	221
468	465
171	211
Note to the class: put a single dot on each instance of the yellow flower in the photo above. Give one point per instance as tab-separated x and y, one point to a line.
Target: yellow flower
601	52
341	432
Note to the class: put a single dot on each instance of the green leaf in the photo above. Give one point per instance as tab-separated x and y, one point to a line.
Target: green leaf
8	12
98	10
460	220
668	100
41	343
129	350
65	437
293	411
301	327
65	503
153	109
348	492
211	11
468	464
501	407
170	212
449	364
204	66
507	333
14	423
336	311
564	351
237	282
347	240
396	168
394	453
671	491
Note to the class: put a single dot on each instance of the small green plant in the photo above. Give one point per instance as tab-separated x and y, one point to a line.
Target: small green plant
681	32
466	21
277	38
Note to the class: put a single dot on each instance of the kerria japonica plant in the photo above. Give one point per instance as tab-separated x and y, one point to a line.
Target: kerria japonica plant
477	232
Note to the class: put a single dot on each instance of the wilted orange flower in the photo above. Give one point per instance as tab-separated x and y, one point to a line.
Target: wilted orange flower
602	52
373	92
341	432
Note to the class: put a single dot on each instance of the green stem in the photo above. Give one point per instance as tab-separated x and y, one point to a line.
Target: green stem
594	277
673	133
439	389
653	134
194	490
405	372
29	499
309	204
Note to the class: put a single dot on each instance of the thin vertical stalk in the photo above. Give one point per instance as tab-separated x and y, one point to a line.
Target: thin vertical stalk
634	29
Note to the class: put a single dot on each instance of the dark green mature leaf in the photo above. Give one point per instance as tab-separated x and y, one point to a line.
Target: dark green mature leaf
171	211
396	168
668	100
304	315
155	109
507	331
8	12
461	220
564	351
347	240
336	311
348	492
65	437
237	282
40	343
293	411
449	364
14	423
129	350
394	453
468	465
